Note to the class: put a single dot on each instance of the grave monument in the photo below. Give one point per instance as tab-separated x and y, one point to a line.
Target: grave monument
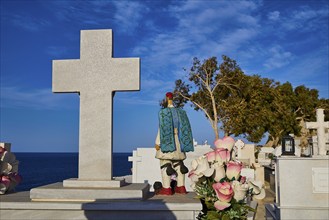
95	77
94	194
302	184
320	125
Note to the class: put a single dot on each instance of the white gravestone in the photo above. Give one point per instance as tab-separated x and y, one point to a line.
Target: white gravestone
245	152
239	144
146	168
95	76
320	125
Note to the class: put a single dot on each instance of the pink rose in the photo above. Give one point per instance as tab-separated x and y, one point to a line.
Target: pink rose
219	172
219	205
233	169
226	142
211	156
222	155
224	191
240	190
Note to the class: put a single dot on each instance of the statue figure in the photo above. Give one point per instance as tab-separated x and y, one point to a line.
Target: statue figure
174	139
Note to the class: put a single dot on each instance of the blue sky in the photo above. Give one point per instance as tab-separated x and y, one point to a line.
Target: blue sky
282	40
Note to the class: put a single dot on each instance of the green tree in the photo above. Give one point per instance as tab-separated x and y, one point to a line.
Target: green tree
209	85
251	106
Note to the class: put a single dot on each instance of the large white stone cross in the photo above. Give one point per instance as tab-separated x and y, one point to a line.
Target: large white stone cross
95	76
320	125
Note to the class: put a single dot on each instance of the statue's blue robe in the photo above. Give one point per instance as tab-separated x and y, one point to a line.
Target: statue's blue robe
170	118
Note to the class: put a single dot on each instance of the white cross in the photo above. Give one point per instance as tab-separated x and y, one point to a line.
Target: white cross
239	144
96	76
320	125
135	158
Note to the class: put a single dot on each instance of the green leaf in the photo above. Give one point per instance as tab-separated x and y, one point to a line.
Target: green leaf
225	217
212	215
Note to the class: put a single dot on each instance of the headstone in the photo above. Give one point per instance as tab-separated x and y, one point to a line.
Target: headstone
320	125
313	143
95	76
245	152
146	168
248	173
263	155
302	188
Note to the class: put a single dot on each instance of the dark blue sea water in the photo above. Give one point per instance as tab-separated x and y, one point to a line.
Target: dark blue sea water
39	169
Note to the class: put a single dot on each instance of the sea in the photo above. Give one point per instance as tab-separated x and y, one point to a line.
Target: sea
39	169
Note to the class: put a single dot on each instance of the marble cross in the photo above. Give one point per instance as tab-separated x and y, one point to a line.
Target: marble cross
135	159
239	144
95	77
320	125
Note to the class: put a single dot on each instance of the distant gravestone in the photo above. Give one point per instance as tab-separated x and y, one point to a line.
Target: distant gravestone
95	76
320	125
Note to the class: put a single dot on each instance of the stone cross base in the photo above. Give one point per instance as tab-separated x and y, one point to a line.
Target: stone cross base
56	192
18	206
74	182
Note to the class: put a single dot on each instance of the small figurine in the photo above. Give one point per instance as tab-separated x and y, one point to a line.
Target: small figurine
174	139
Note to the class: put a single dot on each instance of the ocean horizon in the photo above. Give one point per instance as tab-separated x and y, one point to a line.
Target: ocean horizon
44	168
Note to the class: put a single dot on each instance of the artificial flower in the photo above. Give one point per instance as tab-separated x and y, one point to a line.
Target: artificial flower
222	155
224	191
240	190
226	142
219	205
219	172
211	156
233	169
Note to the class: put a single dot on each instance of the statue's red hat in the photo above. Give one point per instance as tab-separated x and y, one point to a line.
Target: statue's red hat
169	95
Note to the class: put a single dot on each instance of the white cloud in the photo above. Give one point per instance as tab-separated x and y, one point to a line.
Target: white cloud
204	28
14	97
231	42
273	16
129	14
306	19
28	22
278	58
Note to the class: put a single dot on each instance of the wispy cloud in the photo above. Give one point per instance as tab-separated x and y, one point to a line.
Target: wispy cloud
14	97
99	14
278	58
28	22
199	31
129	14
305	19
56	51
273	16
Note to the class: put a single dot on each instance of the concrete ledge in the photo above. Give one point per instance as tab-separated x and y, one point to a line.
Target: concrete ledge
78	183
19	206
56	192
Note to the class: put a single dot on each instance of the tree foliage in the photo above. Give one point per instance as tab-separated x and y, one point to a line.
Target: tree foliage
246	105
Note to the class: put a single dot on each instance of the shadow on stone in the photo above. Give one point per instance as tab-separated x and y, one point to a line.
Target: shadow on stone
128	209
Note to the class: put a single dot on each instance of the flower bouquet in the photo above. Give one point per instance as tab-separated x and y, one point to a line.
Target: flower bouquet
217	182
9	176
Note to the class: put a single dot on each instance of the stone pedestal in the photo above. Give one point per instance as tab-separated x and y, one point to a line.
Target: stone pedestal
302	190
56	192
18	206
